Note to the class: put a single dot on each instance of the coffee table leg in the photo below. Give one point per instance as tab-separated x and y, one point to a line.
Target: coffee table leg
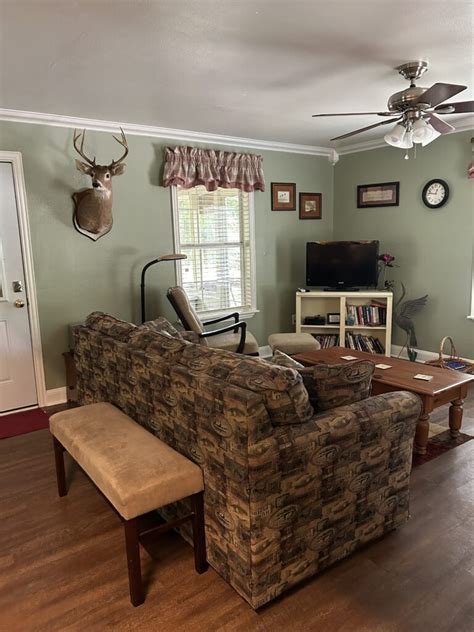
422	431
455	417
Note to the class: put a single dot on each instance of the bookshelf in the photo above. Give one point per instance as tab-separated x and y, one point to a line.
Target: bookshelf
370	313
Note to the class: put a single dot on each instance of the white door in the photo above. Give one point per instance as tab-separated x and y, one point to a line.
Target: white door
17	377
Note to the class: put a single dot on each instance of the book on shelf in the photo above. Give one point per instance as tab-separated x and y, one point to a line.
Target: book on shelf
373	315
370	344
327	340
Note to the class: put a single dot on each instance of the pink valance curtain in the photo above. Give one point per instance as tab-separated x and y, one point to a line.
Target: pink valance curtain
189	166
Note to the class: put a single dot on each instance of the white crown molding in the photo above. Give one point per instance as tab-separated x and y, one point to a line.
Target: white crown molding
134	129
463	126
58	120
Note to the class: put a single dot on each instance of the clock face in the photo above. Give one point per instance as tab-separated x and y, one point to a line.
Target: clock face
435	193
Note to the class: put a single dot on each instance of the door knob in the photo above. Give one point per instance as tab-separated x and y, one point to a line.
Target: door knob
19	303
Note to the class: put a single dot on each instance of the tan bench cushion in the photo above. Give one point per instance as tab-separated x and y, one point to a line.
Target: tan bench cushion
292	343
134	469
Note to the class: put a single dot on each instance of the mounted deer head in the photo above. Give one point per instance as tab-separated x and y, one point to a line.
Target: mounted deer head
93	207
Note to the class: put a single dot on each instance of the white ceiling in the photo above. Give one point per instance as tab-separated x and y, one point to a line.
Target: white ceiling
249	68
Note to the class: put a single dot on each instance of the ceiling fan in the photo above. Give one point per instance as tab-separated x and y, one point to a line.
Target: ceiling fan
415	110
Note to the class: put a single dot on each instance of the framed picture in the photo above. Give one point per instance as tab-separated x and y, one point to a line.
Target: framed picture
283	196
310	206
383	194
334	319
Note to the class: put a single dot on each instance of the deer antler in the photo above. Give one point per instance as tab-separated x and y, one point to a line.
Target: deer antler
123	142
80	151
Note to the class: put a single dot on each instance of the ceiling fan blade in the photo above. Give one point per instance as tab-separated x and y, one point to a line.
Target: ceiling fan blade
364	129
360	114
455	108
439	125
438	93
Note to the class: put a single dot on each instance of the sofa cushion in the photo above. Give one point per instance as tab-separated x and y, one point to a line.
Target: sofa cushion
192	336
282	359
160	325
159	342
286	399
335	385
110	326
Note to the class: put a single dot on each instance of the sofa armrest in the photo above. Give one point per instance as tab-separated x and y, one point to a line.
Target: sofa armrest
383	420
213	321
341	456
322	489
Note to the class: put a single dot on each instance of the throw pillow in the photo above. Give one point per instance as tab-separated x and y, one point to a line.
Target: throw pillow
282	359
335	385
162	326
110	326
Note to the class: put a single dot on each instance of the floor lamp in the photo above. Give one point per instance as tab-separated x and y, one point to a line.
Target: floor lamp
172	257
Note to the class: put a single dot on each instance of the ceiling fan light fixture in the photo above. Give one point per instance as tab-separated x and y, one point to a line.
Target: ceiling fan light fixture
422	131
407	142
433	136
396	136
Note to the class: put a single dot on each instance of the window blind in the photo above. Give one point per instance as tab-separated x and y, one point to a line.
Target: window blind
213	228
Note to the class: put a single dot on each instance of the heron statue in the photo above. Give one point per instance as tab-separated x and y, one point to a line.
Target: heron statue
403	314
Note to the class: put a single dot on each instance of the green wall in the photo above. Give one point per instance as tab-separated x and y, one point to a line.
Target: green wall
432	247
75	276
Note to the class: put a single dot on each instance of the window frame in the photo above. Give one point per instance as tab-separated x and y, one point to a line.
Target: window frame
248	313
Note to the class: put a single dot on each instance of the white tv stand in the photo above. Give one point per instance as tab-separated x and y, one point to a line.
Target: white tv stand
324	303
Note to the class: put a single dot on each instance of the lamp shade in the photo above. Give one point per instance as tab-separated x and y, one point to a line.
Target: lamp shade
422	132
396	136
174	256
407	142
433	136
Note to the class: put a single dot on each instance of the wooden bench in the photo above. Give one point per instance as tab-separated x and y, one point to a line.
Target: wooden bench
135	471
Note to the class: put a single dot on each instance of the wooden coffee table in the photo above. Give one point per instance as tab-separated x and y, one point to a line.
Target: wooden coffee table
447	385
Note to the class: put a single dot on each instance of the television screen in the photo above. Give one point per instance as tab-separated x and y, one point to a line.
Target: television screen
342	264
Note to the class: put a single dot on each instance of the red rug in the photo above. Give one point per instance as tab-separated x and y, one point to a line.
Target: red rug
438	445
23	422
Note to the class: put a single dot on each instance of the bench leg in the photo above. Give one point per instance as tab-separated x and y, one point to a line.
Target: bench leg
60	473
199	536
132	546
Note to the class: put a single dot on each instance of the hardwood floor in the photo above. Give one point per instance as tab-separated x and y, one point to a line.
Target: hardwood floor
62	564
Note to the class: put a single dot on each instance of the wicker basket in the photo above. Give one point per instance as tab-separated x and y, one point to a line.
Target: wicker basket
453	361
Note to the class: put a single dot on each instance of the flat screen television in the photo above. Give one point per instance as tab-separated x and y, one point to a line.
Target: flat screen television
342	264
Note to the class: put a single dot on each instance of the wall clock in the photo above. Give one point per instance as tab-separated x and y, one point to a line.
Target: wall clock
435	193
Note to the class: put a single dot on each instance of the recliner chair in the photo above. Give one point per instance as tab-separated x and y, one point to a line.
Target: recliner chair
233	337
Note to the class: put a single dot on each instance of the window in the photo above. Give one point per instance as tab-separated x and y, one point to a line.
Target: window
215	230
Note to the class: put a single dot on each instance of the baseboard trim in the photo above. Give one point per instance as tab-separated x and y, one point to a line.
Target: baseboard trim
423	356
56	396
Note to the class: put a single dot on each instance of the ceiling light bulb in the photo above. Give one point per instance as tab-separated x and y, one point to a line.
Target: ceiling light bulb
396	136
421	131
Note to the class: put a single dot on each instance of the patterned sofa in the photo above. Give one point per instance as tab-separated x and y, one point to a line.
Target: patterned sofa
287	492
